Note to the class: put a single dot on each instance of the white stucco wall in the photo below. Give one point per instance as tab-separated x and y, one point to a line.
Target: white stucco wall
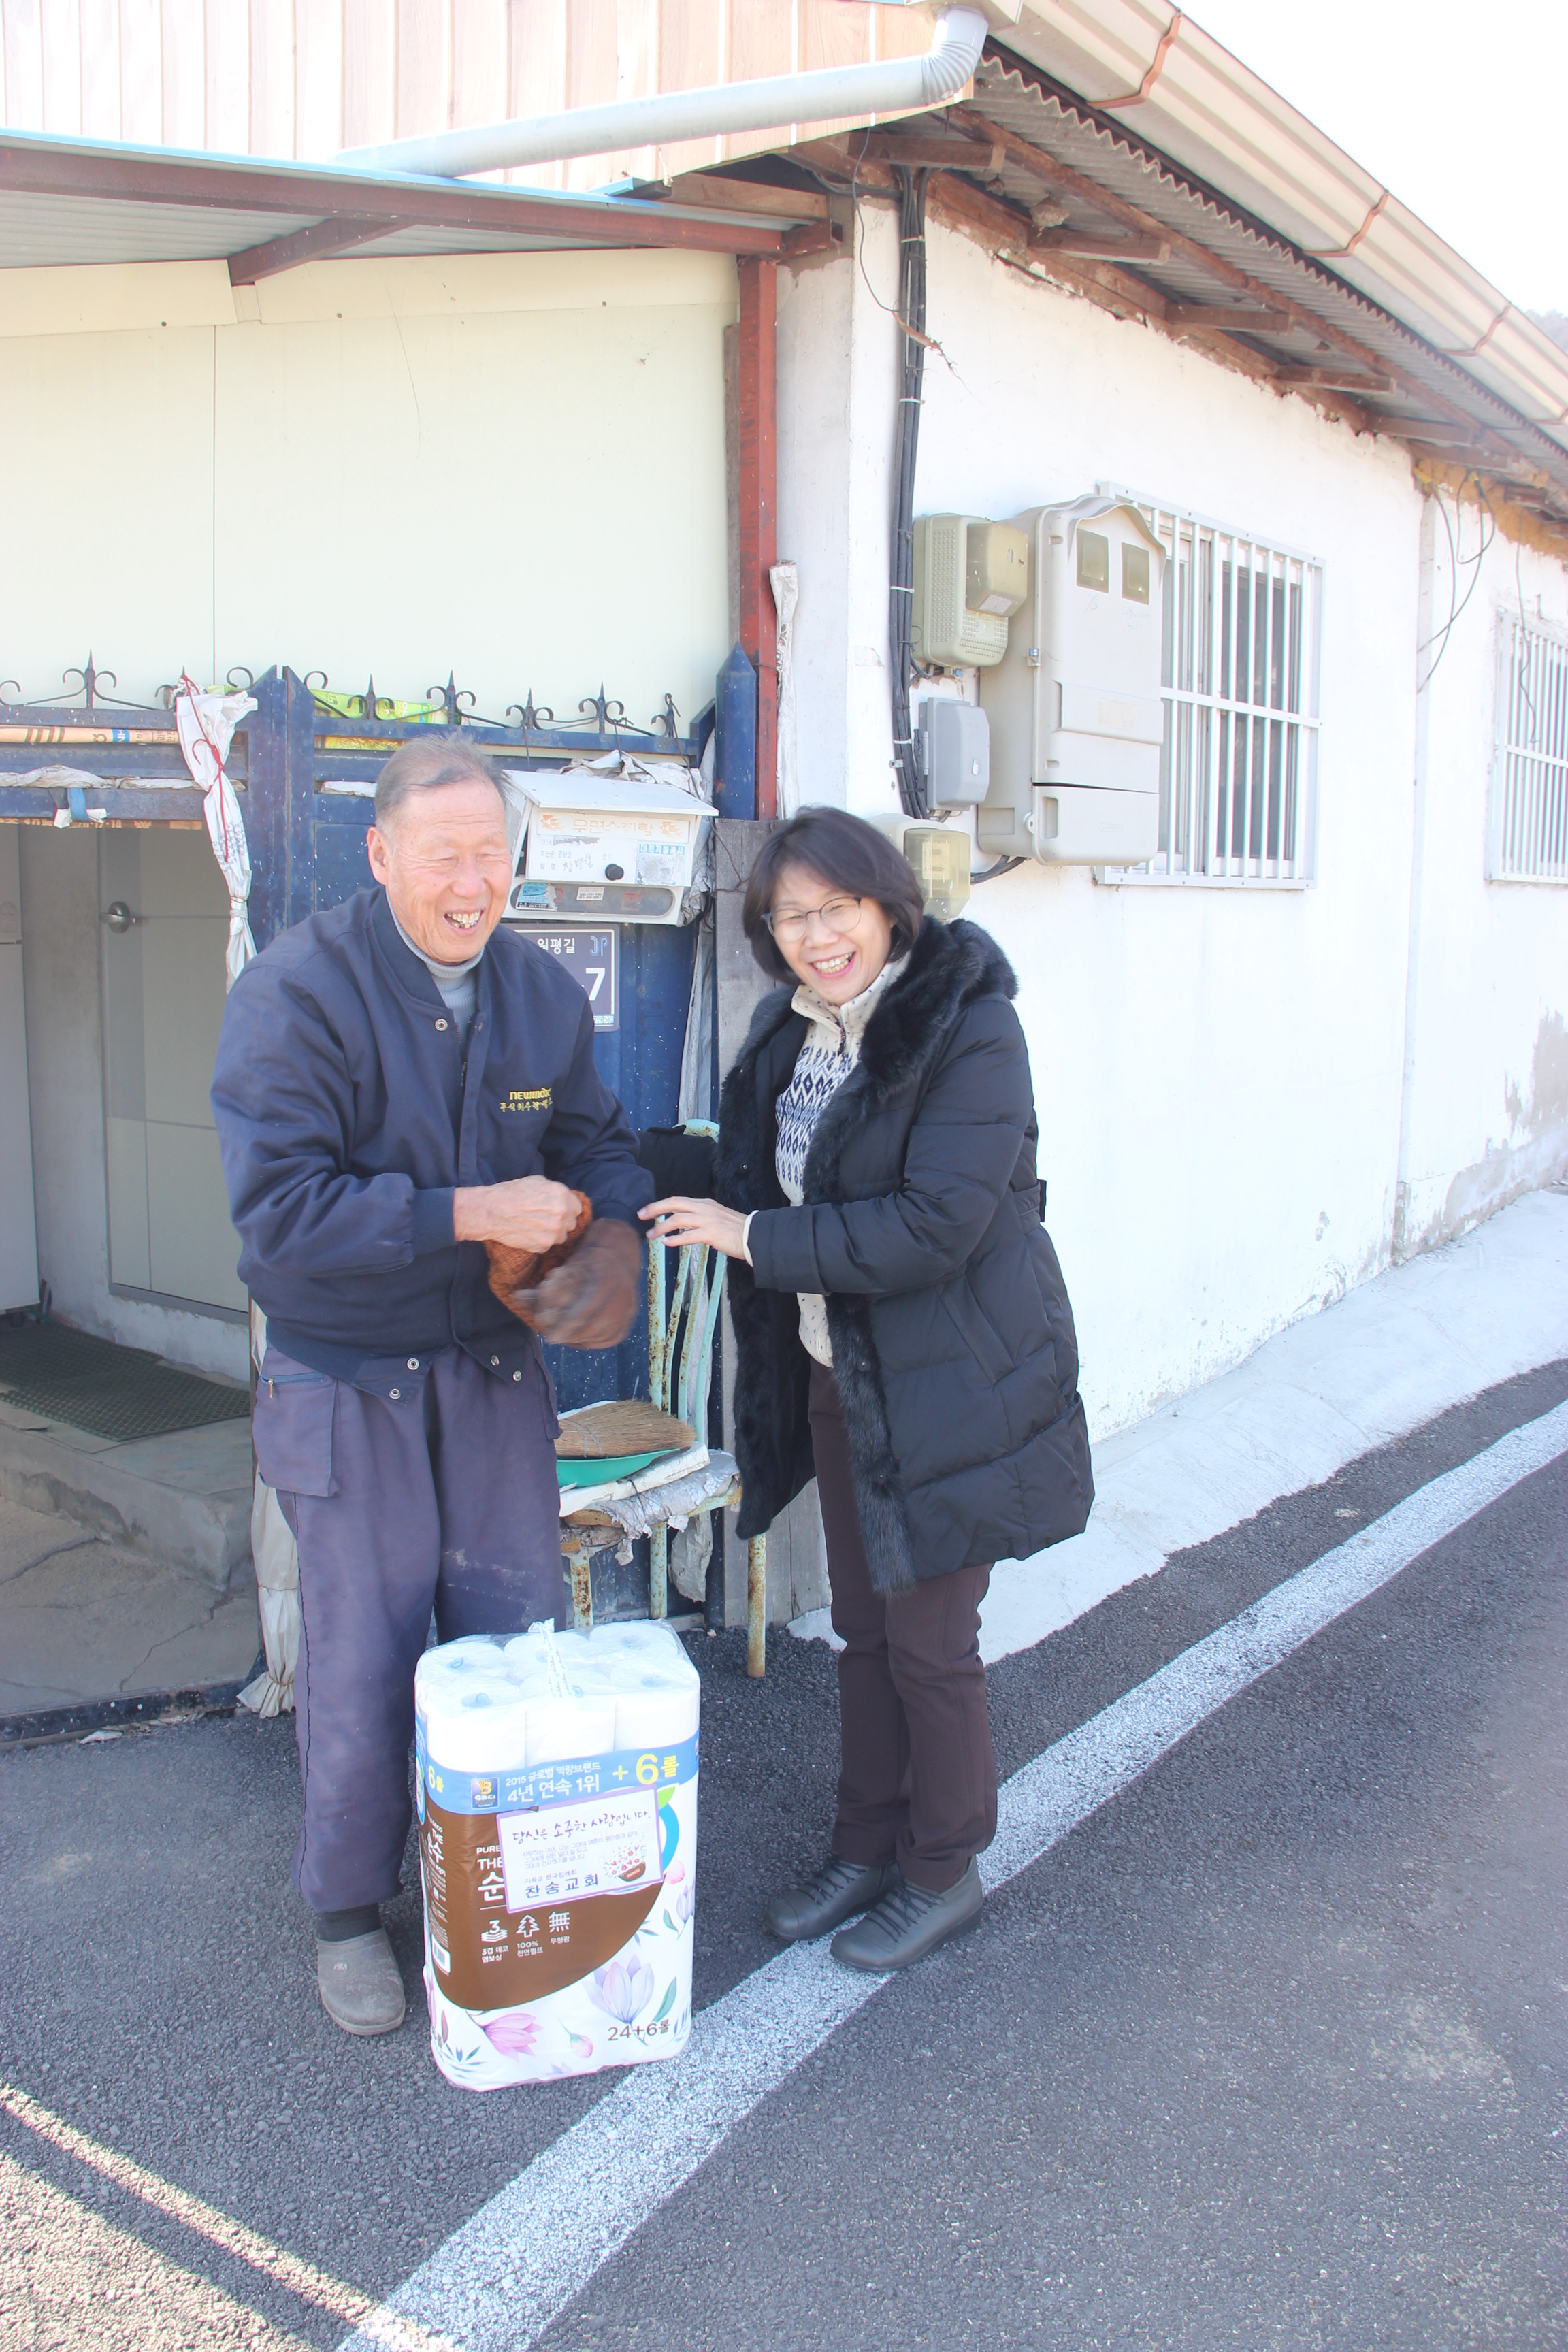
1218	1072
511	466
1486	1113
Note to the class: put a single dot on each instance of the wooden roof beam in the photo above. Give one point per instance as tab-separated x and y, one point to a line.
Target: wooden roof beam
742	196
1081	246
949	151
1335	379
320	242
1063	178
1226	319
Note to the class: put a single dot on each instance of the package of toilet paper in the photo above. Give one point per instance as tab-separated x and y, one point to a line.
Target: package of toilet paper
557	1803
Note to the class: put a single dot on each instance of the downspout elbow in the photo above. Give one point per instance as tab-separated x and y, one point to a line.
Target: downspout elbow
953	54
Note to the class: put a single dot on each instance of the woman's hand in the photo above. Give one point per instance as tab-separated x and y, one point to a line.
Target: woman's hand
678	1223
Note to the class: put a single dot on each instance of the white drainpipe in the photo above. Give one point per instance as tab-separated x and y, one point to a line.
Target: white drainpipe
893	86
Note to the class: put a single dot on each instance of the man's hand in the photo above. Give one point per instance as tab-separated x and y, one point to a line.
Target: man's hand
528	1213
591	1300
514	1270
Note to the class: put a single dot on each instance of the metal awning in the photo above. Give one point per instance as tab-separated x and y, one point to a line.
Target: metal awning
69	201
1065	192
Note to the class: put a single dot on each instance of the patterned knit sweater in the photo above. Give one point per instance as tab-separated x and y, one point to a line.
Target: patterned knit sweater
831	1050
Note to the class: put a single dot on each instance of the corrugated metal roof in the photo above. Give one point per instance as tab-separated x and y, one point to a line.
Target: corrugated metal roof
72	202
43	231
1430	388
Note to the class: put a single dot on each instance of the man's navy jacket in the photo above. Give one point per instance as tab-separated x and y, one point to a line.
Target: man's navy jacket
347	1115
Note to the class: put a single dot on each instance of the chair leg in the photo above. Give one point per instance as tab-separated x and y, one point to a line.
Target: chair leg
659	1572
579	1561
757	1606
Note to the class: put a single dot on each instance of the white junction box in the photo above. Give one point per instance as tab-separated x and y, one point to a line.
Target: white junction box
603	847
970	577
1077	715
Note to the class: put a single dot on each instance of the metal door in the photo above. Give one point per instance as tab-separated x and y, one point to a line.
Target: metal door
18	1236
164	921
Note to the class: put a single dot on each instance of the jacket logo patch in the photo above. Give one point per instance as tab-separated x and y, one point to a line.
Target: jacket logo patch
527	1098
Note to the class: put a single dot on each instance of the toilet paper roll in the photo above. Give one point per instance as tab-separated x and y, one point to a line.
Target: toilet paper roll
638	1636
657	1715
559	1727
438	1687
483	1731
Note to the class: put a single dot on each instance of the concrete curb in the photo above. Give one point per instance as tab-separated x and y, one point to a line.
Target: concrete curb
209	1533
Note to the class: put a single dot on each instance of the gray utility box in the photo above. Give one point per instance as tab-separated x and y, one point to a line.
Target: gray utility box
1076	710
953	744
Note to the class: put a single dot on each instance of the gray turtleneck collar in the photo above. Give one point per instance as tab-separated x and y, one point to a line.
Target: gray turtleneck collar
457	983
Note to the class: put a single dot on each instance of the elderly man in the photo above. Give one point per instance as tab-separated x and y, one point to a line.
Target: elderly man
408	1107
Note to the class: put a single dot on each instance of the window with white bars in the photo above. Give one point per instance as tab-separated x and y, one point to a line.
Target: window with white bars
1238	769
1530	772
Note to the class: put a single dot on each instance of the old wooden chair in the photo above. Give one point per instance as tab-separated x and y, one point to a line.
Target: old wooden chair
682	1318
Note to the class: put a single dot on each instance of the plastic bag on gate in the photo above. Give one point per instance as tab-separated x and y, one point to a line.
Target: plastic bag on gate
557	1801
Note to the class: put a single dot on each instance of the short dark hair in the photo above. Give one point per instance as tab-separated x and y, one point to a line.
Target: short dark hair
847	852
416	767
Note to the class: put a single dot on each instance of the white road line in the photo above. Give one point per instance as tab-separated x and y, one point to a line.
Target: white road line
500	2281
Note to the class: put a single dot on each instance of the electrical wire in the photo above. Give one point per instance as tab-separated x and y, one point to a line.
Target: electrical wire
1003	866
911	317
1444	636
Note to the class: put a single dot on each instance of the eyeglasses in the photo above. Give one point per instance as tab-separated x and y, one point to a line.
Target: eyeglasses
837	915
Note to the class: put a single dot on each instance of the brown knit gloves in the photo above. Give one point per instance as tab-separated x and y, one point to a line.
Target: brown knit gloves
581	1293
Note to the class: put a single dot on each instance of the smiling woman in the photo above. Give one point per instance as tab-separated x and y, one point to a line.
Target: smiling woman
902	1333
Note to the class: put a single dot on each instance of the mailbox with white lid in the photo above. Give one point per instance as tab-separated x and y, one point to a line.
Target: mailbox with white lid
607	848
1075	706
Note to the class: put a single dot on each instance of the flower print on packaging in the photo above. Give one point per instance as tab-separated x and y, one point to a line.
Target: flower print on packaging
559	1894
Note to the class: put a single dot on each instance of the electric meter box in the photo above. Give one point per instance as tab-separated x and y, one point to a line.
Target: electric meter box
940	855
971	576
605	849
1076	710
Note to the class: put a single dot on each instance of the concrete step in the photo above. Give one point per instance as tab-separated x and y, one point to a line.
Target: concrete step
183	1500
84	1621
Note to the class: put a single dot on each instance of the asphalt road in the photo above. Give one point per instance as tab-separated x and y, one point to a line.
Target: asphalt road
1271	2052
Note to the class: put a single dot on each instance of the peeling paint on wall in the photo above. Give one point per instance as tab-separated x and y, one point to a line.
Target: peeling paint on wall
1535	1153
1549	1075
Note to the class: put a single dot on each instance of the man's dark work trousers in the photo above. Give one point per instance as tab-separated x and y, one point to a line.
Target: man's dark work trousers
431	1484
918	1782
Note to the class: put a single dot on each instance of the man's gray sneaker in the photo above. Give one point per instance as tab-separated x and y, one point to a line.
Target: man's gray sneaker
361	1989
839	1889
908	1923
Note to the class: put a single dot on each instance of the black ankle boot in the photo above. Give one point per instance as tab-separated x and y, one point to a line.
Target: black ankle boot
839	1889
910	1922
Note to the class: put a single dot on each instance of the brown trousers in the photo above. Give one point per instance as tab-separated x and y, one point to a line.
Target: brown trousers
917	1777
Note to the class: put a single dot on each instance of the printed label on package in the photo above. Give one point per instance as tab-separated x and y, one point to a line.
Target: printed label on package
609	1846
554	1784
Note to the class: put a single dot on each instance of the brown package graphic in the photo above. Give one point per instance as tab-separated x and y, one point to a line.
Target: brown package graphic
488	1957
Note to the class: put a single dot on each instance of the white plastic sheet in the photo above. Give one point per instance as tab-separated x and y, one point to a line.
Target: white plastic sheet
207	723
784	580
277	1560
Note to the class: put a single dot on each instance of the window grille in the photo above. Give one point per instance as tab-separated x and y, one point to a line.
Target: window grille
1530	772
1238	768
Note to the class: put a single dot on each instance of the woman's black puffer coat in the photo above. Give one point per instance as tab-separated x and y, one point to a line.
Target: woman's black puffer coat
952	1337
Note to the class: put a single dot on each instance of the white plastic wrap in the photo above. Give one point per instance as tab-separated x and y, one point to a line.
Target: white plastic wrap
557	1802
